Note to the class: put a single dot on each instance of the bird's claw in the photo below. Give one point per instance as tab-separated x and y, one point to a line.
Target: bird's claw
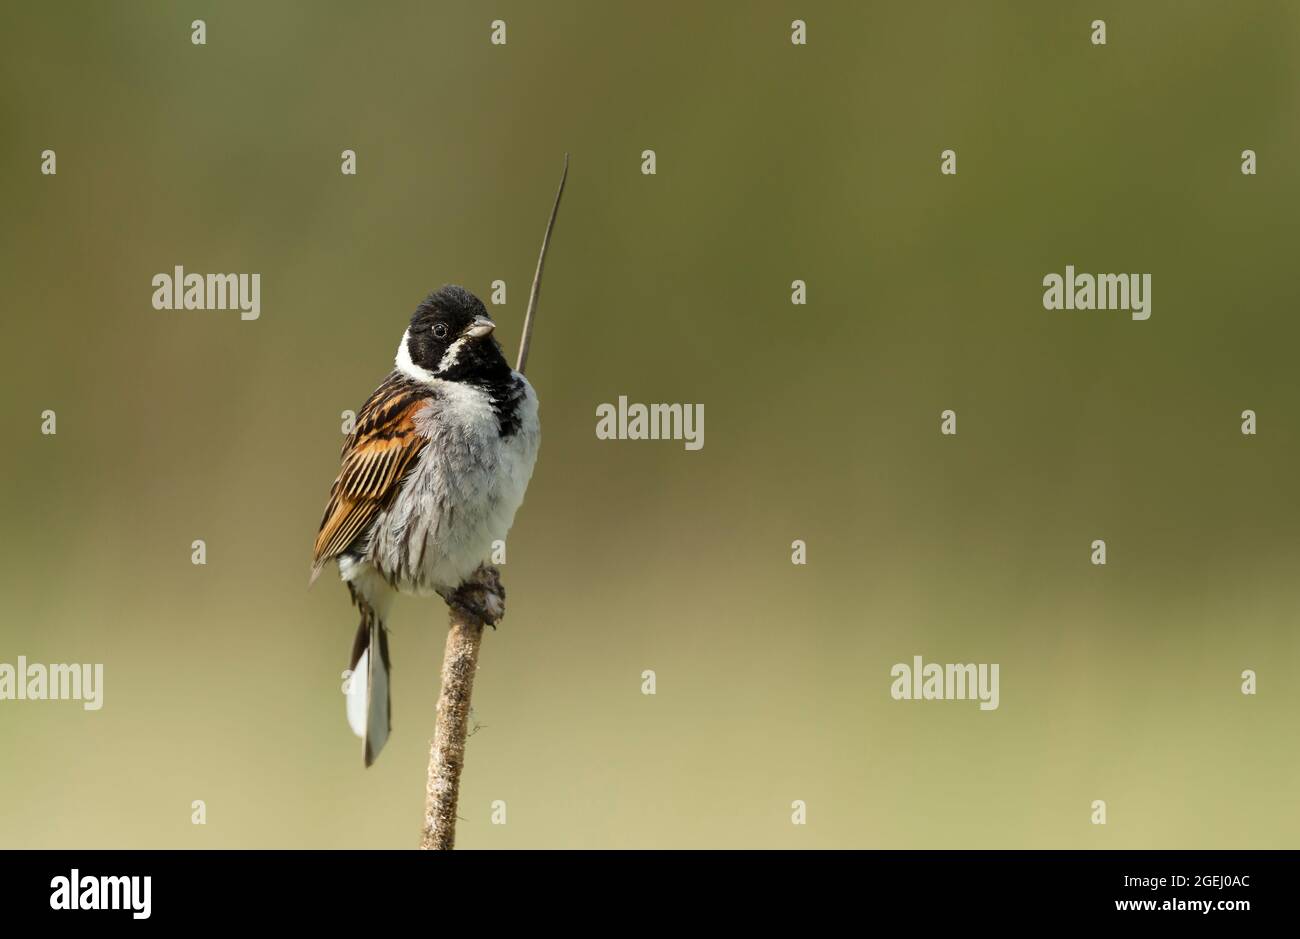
482	596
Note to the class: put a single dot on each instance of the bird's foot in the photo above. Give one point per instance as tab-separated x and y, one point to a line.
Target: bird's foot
481	596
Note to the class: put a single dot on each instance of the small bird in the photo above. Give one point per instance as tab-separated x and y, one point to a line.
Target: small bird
432	475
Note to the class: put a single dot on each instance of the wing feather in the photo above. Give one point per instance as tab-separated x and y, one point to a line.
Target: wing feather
376	457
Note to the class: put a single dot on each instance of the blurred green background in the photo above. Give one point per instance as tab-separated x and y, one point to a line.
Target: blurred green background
775	162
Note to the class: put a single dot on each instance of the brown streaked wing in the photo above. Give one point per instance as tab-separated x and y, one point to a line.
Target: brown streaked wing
375	458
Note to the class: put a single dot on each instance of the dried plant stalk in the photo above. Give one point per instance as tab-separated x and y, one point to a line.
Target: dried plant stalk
447	755
460	659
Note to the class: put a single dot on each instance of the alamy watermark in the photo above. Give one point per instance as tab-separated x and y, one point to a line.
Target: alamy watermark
921	681
77	892
33	681
651	422
1130	292
181	291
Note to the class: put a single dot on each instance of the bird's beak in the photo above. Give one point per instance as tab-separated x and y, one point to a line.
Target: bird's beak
481	327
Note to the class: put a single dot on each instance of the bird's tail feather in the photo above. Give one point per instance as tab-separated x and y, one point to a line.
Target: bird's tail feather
368	698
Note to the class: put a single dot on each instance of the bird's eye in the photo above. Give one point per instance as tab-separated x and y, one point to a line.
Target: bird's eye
440	330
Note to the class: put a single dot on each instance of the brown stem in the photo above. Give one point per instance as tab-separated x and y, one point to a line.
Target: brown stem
447	753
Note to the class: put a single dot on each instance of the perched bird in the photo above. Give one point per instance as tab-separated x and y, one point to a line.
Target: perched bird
432	475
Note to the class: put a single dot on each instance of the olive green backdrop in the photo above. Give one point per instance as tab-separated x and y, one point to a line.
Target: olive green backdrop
775	162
